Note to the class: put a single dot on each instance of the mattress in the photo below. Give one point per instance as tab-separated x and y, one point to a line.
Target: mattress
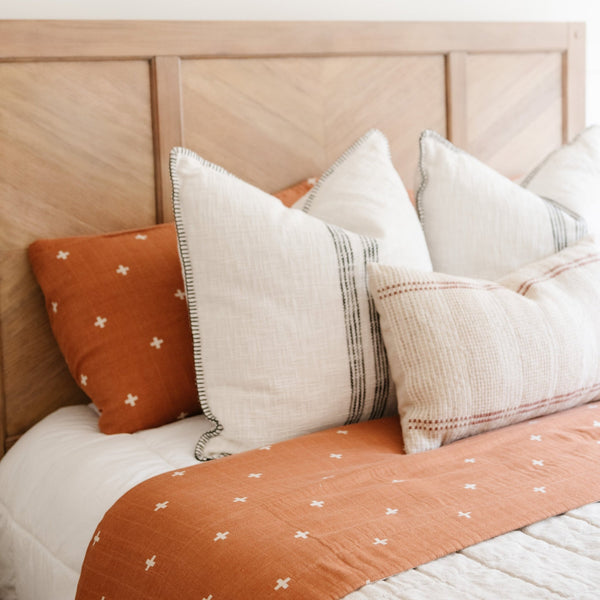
62	476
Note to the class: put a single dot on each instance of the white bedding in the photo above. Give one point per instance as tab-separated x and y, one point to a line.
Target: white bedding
58	481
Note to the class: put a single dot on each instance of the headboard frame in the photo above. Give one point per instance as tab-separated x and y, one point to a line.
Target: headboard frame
90	109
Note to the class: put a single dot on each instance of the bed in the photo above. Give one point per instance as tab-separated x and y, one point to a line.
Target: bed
90	112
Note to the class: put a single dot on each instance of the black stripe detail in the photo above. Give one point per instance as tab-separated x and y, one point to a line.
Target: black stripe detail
354	343
382	377
564	232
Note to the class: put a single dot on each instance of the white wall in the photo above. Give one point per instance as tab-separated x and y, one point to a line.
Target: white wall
379	10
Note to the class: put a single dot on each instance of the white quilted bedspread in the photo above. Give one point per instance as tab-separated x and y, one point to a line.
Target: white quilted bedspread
58	481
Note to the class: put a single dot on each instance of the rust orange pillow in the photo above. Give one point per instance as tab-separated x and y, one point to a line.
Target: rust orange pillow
117	308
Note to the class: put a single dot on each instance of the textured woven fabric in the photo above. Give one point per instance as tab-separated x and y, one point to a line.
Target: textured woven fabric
471	355
571	177
117	308
286	337
480	224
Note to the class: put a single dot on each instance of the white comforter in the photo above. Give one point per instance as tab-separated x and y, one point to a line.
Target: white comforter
58	481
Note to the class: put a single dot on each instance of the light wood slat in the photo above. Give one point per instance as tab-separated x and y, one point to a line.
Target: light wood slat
303	113
76	155
574	82
456	85
167	127
50	39
515	109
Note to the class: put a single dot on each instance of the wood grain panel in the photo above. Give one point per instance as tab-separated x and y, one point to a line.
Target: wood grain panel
51	39
303	113
76	151
515	109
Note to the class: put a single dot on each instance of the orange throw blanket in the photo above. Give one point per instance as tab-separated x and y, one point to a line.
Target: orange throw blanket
320	516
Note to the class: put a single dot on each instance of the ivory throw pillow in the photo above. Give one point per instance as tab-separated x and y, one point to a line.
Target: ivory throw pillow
471	355
570	176
480	224
286	336
117	308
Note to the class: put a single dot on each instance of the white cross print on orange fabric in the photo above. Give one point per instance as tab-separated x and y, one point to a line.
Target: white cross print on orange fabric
100	322
131	399
156	342
282	584
122	270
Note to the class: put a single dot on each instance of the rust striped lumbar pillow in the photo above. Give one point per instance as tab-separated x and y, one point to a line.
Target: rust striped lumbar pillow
471	355
286	337
117	308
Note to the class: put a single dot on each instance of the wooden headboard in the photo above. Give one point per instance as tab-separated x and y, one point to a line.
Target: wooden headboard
90	110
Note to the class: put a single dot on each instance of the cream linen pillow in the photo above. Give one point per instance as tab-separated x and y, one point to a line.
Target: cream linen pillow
477	222
472	355
571	177
286	336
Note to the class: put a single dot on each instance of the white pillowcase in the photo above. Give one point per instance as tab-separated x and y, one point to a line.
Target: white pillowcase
571	177
472	355
477	222
286	336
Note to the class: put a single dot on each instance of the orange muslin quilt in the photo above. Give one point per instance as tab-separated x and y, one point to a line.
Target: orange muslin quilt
322	515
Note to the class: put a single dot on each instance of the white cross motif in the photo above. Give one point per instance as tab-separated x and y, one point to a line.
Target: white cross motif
335	456
255	475
241	499
265	448
180	294
391	511
466	515
96	538
122	270
221	536
541	490
55	307
469	460
100	322
342	431
83	379
156	342
131	399
208	598
318	503
282	584
178	474
62	255
312	180
470	486
141	236
161	505
150	562
379	542
537	463
181	415
536	438
301	535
